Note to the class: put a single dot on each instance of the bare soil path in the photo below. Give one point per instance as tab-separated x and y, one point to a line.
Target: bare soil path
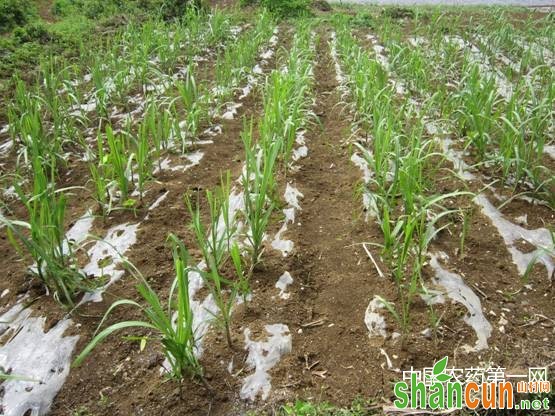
338	277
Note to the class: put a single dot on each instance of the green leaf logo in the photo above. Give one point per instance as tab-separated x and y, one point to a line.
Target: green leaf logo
443	377
439	369
440	366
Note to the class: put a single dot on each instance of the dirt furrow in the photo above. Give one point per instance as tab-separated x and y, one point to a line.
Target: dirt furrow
332	355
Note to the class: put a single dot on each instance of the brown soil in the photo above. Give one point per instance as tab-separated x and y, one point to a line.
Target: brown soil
333	359
139	372
334	280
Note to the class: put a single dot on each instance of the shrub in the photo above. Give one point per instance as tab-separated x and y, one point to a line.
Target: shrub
96	8
363	19
322	5
14	57
177	8
282	8
15	13
62	7
287	8
398	13
32	32
169	9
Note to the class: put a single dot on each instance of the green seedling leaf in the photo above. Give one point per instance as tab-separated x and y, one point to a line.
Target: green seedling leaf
103	334
15	377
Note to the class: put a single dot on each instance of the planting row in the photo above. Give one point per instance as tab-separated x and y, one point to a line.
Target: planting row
400	154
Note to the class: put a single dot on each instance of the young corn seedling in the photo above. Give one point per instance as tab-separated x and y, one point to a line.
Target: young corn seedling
172	323
236	63
22	104
58	96
242	277
143	159
276	126
219	28
196	115
523	134
27	128
50	96
120	165
477	111
433	316
287	98
409	63
214	243
101	92
187	89
168	52
258	184
227	73
43	236
411	237
159	125
99	171
193	103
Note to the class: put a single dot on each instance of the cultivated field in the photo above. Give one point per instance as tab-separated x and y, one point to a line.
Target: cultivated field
233	212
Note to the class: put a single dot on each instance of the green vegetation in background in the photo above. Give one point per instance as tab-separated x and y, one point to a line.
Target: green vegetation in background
15	13
282	8
27	38
92	9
